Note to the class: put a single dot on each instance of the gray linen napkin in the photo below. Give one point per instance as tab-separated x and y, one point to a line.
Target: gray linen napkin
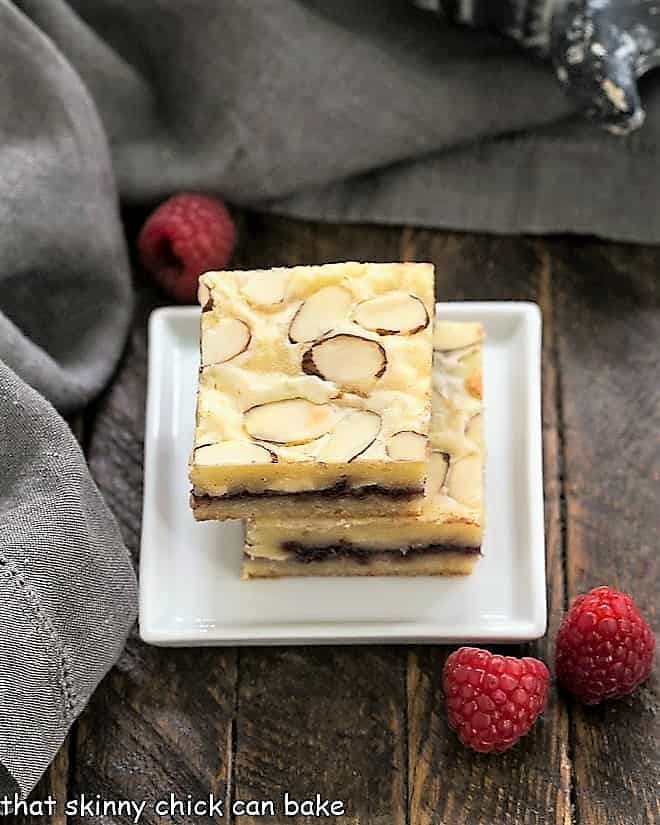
330	109
67	588
351	111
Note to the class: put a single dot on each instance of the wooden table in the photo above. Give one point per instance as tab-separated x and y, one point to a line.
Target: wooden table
366	724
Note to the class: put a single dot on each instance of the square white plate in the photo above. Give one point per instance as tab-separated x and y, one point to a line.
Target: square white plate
190	590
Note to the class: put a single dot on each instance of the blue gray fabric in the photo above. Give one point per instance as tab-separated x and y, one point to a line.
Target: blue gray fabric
327	109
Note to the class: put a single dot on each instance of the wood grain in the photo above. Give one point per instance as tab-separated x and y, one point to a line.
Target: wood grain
329	719
608	320
531	782
367	725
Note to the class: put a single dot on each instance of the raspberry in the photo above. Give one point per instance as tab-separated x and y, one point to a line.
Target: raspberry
184	237
493	700
604	646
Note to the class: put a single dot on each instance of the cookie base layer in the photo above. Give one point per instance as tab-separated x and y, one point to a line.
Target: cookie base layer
367	503
459	562
308	477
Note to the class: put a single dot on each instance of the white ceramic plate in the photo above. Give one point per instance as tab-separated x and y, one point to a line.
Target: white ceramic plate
190	590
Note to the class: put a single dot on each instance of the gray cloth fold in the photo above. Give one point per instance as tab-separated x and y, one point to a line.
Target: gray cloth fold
67	588
369	111
64	285
330	109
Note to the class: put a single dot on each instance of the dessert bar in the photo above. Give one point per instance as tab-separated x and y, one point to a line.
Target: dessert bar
445	537
314	392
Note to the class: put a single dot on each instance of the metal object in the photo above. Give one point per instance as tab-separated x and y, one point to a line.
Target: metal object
599	48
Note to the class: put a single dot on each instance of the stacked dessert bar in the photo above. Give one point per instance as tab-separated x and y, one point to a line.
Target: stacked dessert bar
339	421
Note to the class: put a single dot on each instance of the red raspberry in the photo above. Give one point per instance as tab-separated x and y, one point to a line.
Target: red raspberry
493	700
184	237
604	646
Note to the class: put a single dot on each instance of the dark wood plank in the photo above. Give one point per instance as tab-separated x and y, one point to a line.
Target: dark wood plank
531	783
161	721
608	319
328	720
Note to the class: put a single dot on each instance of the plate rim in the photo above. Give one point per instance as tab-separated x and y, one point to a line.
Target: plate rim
534	626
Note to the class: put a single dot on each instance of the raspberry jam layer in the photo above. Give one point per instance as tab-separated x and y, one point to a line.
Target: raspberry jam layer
305	553
342	488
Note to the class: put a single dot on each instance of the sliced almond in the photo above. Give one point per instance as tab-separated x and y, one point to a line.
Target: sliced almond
449	336
204	296
354	434
224	340
265	288
437	472
236	453
291	421
320	313
474	430
465	480
350	361
395	313
407	445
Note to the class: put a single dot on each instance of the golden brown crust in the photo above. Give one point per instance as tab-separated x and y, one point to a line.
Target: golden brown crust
305	506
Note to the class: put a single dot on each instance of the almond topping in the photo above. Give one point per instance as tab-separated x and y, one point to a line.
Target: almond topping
319	313
265	288
465	480
407	445
473	430
234	452
291	421
449	336
223	340
354	434
437	472
350	361
395	313
204	296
